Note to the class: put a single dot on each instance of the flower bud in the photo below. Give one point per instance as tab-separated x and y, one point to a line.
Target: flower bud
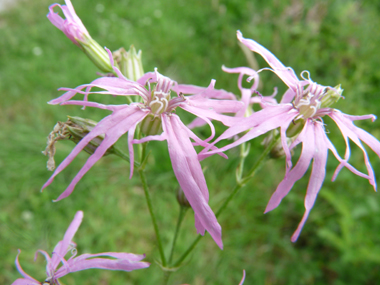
332	96
74	29
129	62
74	129
181	198
96	54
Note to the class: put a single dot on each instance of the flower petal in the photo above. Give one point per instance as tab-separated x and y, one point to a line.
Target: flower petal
317	176
259	122
61	249
349	130
112	85
189	174
113	126
23	273
123	261
308	145
242	279
286	74
22	281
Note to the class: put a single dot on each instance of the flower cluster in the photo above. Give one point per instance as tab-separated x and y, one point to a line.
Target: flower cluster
149	114
299	116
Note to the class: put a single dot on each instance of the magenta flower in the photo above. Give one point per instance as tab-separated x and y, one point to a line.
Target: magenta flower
155	110
300	115
122	261
72	26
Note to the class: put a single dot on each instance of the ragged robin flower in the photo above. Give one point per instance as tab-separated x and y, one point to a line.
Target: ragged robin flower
155	115
106	260
300	115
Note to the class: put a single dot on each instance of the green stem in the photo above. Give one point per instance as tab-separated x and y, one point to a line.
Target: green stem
239	185
149	203
181	215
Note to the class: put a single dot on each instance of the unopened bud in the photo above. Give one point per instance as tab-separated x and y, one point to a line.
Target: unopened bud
74	29
74	129
130	63
181	198
96	54
331	97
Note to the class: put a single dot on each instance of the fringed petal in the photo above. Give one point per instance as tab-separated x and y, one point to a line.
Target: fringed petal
299	170
317	176
190	177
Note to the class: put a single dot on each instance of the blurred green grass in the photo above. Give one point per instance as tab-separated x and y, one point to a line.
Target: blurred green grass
337	41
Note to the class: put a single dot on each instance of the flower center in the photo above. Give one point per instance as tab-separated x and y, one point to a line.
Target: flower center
159	102
308	105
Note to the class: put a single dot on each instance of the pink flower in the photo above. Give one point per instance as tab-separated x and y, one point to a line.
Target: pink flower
300	114
72	26
246	93
122	261
155	110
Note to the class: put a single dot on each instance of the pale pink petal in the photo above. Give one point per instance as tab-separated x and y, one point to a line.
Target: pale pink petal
112	85
23	273
244	71
54	18
61	250
349	130
203	101
189	174
211	114
288	96
261	122
47	257
22	281
161	137
131	134
102	127
286	74
219	106
317	176
299	170
198	141
197	122
112	134
214	93
242	279
342	162
123	262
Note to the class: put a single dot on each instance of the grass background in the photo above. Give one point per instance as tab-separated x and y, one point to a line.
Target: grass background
337	41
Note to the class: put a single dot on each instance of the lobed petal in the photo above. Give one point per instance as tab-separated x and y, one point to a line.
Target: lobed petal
286	74
349	130
20	281
189	174
123	262
317	176
112	134
61	249
260	123
308	145
242	279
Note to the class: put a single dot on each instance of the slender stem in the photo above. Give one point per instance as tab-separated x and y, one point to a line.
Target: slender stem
149	203
239	185
181	215
259	162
